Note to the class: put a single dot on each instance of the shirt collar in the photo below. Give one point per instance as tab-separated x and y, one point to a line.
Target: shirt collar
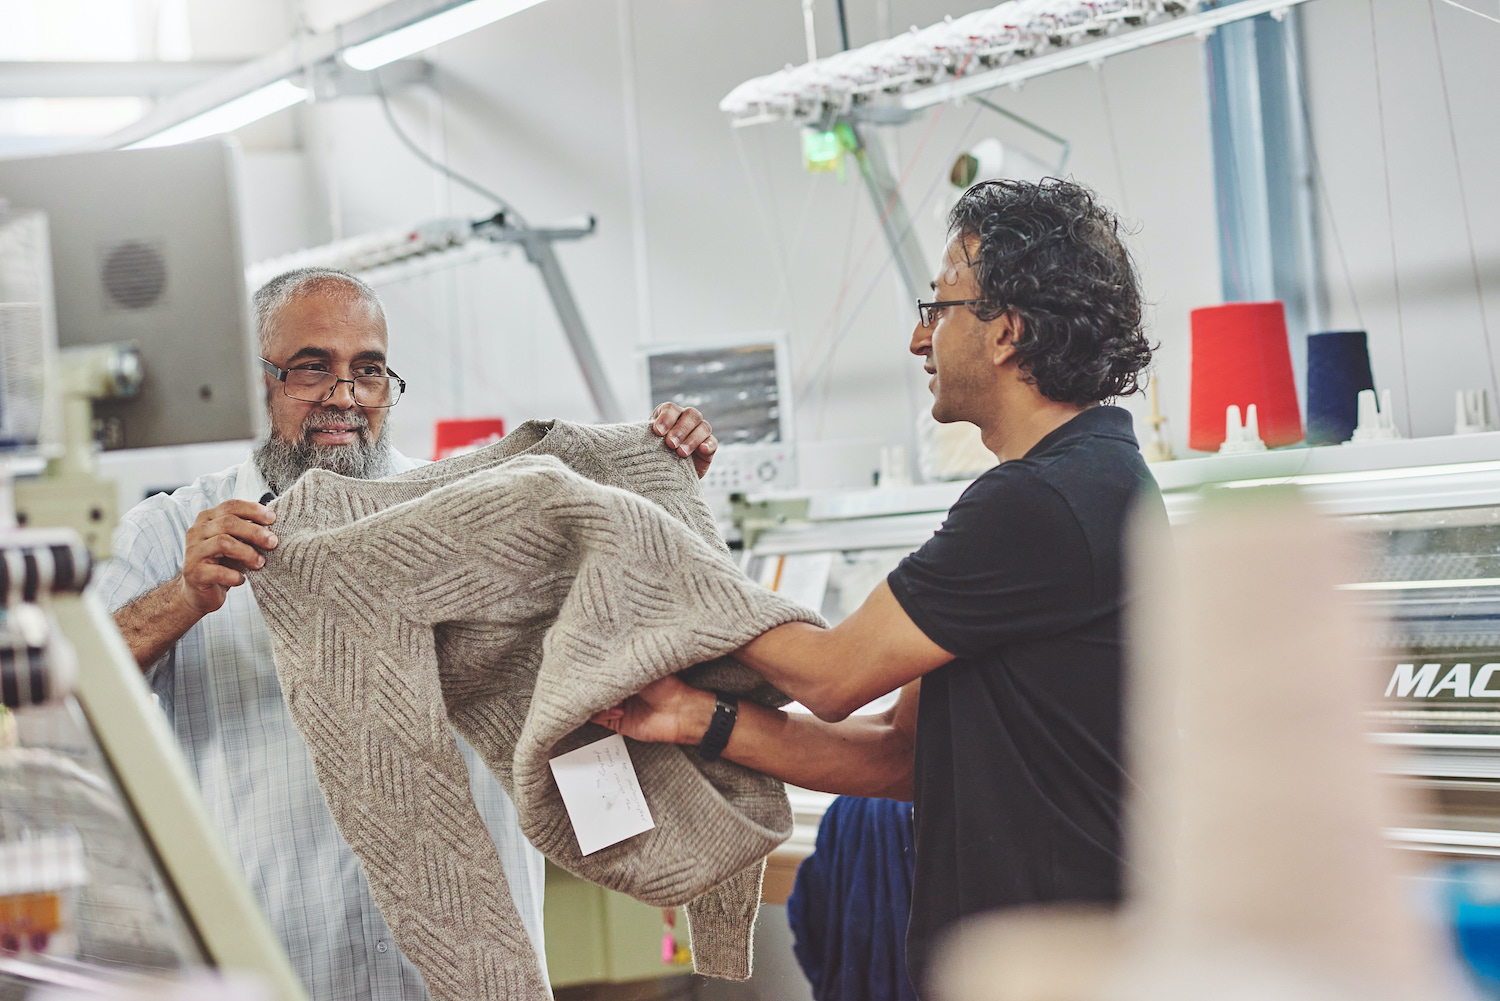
1103	421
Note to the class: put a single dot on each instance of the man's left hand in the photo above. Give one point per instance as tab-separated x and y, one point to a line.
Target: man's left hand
687	433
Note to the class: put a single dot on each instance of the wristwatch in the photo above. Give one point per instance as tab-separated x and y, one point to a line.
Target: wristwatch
726	709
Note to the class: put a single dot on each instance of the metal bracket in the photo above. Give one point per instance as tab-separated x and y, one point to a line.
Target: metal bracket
331	79
1026	123
537	243
753	517
890	209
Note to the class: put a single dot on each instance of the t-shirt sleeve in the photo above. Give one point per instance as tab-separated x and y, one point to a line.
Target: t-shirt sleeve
1010	564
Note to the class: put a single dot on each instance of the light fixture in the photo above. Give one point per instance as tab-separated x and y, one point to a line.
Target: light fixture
1420	585
1365	475
431	31
229	116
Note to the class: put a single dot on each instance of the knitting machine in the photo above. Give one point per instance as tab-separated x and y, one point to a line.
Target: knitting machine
111	874
1426	515
835	99
990	48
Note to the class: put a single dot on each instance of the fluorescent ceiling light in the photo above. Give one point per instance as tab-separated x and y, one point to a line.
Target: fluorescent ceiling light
1419	585
229	116
434	30
1363	475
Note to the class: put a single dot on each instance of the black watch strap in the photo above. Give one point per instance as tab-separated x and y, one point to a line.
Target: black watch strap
717	735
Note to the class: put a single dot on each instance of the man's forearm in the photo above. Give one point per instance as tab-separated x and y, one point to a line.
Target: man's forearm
861	756
834	671
154	622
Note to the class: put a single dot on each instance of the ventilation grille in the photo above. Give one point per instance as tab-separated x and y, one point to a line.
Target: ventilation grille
134	274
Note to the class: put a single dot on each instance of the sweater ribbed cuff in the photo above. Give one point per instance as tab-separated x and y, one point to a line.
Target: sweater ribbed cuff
721	926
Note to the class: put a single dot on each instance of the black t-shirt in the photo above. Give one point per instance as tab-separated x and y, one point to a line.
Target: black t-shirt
1019	779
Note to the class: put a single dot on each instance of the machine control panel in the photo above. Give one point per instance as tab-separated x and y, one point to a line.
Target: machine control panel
739	468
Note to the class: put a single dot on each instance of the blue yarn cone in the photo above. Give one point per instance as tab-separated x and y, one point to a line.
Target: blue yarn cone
1338	367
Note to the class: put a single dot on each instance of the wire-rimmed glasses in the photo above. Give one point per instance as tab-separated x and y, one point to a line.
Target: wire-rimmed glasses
313	386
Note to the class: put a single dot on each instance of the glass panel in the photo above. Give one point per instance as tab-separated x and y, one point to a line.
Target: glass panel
1433	578
55	782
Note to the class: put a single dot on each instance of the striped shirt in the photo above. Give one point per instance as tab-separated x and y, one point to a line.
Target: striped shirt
218	687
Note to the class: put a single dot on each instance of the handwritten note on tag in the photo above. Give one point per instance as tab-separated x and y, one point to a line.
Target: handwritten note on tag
601	793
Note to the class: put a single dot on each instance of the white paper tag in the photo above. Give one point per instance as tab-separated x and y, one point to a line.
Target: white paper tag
601	793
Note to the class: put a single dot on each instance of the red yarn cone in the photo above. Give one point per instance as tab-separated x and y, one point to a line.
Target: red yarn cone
1241	356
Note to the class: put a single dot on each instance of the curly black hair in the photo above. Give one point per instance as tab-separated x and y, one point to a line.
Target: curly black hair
1051	254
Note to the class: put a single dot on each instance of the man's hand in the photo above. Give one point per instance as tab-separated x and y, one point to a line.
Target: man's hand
687	433
220	548
664	712
863	756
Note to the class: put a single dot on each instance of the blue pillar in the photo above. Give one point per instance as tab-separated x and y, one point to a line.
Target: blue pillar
1262	174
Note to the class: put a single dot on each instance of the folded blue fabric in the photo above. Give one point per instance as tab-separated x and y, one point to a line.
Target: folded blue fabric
851	900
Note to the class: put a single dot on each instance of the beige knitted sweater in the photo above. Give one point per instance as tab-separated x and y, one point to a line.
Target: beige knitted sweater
510	594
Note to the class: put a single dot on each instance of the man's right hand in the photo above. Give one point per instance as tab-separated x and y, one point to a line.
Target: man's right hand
221	546
667	711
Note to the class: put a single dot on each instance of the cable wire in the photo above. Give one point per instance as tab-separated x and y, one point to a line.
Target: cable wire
1471	10
802	386
826	367
1463	199
1390	215
512	214
1322	186
1114	142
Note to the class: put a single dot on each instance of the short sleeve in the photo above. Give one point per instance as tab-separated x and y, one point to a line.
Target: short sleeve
1010	564
148	549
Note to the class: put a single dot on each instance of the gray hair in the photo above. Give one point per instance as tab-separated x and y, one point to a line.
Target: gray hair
276	293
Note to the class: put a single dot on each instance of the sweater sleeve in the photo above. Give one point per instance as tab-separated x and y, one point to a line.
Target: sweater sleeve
721	926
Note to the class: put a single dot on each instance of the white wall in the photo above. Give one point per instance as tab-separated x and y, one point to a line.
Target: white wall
1421	221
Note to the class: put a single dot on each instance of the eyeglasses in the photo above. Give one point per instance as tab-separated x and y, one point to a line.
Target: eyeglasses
312	386
927	311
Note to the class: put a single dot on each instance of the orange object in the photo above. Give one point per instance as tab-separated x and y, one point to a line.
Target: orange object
464	434
1241	356
29	918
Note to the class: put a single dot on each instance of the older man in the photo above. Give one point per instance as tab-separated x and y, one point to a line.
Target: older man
175	587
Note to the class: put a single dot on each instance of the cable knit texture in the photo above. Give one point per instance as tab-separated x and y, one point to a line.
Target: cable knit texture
512	593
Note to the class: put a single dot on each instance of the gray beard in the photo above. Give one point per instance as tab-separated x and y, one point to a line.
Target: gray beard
282	462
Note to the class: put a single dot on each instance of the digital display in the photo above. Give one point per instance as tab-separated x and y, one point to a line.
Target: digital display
735	388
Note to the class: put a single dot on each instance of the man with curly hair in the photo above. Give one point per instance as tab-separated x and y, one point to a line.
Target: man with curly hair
1003	631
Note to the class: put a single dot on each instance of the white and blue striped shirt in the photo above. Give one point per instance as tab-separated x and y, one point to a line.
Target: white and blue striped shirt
218	687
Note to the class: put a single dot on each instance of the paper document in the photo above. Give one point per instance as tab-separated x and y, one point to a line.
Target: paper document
601	794
804	579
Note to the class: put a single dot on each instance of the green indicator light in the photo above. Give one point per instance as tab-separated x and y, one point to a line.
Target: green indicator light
821	151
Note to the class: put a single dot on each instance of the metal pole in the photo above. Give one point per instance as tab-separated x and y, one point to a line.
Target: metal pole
539	251
890	208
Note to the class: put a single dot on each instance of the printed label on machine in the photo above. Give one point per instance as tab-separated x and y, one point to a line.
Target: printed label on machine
1442	680
601	794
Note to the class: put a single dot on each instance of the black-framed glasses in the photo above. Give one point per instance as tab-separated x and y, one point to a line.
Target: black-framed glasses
312	386
927	311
